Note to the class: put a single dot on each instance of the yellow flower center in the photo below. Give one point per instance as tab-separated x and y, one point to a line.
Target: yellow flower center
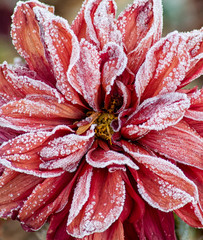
103	129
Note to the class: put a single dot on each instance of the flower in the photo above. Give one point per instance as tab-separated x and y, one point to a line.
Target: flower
98	136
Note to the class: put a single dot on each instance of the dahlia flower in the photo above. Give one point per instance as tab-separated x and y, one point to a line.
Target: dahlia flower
98	136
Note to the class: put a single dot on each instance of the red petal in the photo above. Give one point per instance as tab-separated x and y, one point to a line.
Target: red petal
22	153
85	75
14	189
158	224
194	44
37	112
178	142
156	113
160	183
47	198
14	86
141	26
99	158
104	23
192	214
26	38
114	62
62	56
66	152
165	67
103	206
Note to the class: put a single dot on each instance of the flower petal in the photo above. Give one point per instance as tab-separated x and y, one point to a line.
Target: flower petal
62	56
156	113
156	223
113	64
100	158
160	183
66	152
14	86
14	189
37	112
27	40
47	198
85	76
178	142
167	64
104	23
103	206
22	152
141	26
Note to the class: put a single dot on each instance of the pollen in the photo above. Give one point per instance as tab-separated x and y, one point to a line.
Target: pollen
103	129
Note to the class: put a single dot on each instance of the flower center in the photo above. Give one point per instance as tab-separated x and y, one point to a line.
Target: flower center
103	129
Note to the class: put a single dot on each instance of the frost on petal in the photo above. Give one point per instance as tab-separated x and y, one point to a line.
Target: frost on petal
194	46
14	189
103	207
37	112
14	86
47	198
141	26
178	142
26	38
156	113
113	63
22	152
194	115
100	158
62	48
125	93
66	152
85	75
105	23
161	183
165	66
192	214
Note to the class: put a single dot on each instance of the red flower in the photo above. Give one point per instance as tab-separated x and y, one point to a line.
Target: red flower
97	135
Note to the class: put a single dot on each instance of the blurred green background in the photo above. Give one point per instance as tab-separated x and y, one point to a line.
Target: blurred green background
181	15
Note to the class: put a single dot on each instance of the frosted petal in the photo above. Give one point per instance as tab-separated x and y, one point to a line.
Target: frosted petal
105	23
113	63
165	67
103	207
26	38
141	26
187	148
161	183
38	112
100	158
157	113
62	49
85	75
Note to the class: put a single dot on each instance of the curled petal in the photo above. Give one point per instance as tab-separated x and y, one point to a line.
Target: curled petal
167	64
141	26
14	189
113	64
85	76
27	40
187	148
22	152
105	23
14	86
103	207
66	152
62	48
47	198
156	113
160	183
100	158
